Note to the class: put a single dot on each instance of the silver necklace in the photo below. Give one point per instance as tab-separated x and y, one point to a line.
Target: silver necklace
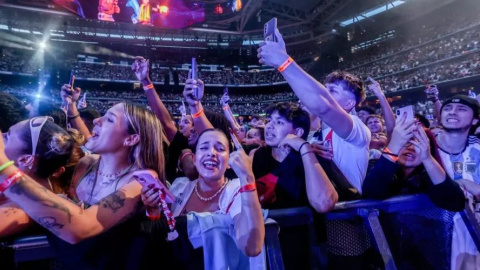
211	197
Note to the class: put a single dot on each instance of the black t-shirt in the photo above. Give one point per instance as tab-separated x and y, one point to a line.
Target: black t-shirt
178	143
279	184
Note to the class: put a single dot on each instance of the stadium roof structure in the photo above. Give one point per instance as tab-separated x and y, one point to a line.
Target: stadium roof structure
301	22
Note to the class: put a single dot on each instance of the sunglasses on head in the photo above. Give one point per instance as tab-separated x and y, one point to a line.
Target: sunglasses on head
36	125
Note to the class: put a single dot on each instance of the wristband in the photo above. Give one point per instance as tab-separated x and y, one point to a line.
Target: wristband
225	107
152	217
73	117
388	152
308	152
6	165
148	87
300	149
248	187
198	114
285	64
10	181
391	155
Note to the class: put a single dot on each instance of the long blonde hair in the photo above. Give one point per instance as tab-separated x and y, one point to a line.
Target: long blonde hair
148	152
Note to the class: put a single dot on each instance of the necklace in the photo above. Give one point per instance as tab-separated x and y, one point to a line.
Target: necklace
211	197
113	175
116	179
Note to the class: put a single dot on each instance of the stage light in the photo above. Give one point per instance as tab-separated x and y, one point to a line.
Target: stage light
238	5
38	96
163	10
42	45
218	10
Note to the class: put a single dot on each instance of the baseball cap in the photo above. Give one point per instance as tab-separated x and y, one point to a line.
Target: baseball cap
465	100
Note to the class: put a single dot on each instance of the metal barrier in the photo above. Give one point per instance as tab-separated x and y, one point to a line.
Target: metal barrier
407	232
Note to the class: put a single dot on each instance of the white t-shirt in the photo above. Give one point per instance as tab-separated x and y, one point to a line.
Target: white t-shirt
182	189
351	154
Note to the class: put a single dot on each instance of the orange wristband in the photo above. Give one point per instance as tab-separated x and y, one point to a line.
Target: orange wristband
391	155
198	114
285	64
148	87
225	107
248	187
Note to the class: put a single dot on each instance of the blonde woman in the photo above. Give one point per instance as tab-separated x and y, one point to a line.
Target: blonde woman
127	140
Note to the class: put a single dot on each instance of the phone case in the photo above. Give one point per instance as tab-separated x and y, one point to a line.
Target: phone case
269	30
146	179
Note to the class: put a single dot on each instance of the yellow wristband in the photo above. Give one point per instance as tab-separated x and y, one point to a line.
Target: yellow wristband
6	165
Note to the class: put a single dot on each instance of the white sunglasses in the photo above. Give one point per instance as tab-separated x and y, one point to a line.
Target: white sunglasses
36	125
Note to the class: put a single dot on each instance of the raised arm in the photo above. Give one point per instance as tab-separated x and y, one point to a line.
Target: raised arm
69	99
141	67
387	111
193	93
432	95
314	95
228	112
422	148
321	194
249	225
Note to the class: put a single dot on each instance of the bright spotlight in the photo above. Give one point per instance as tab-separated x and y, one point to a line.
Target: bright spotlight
38	96
43	45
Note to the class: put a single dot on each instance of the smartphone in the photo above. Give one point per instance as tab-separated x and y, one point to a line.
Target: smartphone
194	69
194	76
146	179
72	79
408	110
269	30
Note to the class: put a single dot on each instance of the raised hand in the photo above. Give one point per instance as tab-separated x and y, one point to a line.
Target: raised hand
432	92
241	164
183	109
402	133
375	88
69	95
141	68
224	99
422	144
272	53
193	91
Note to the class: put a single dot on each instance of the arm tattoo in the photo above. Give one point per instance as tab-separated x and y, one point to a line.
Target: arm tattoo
50	223
113	202
41	195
